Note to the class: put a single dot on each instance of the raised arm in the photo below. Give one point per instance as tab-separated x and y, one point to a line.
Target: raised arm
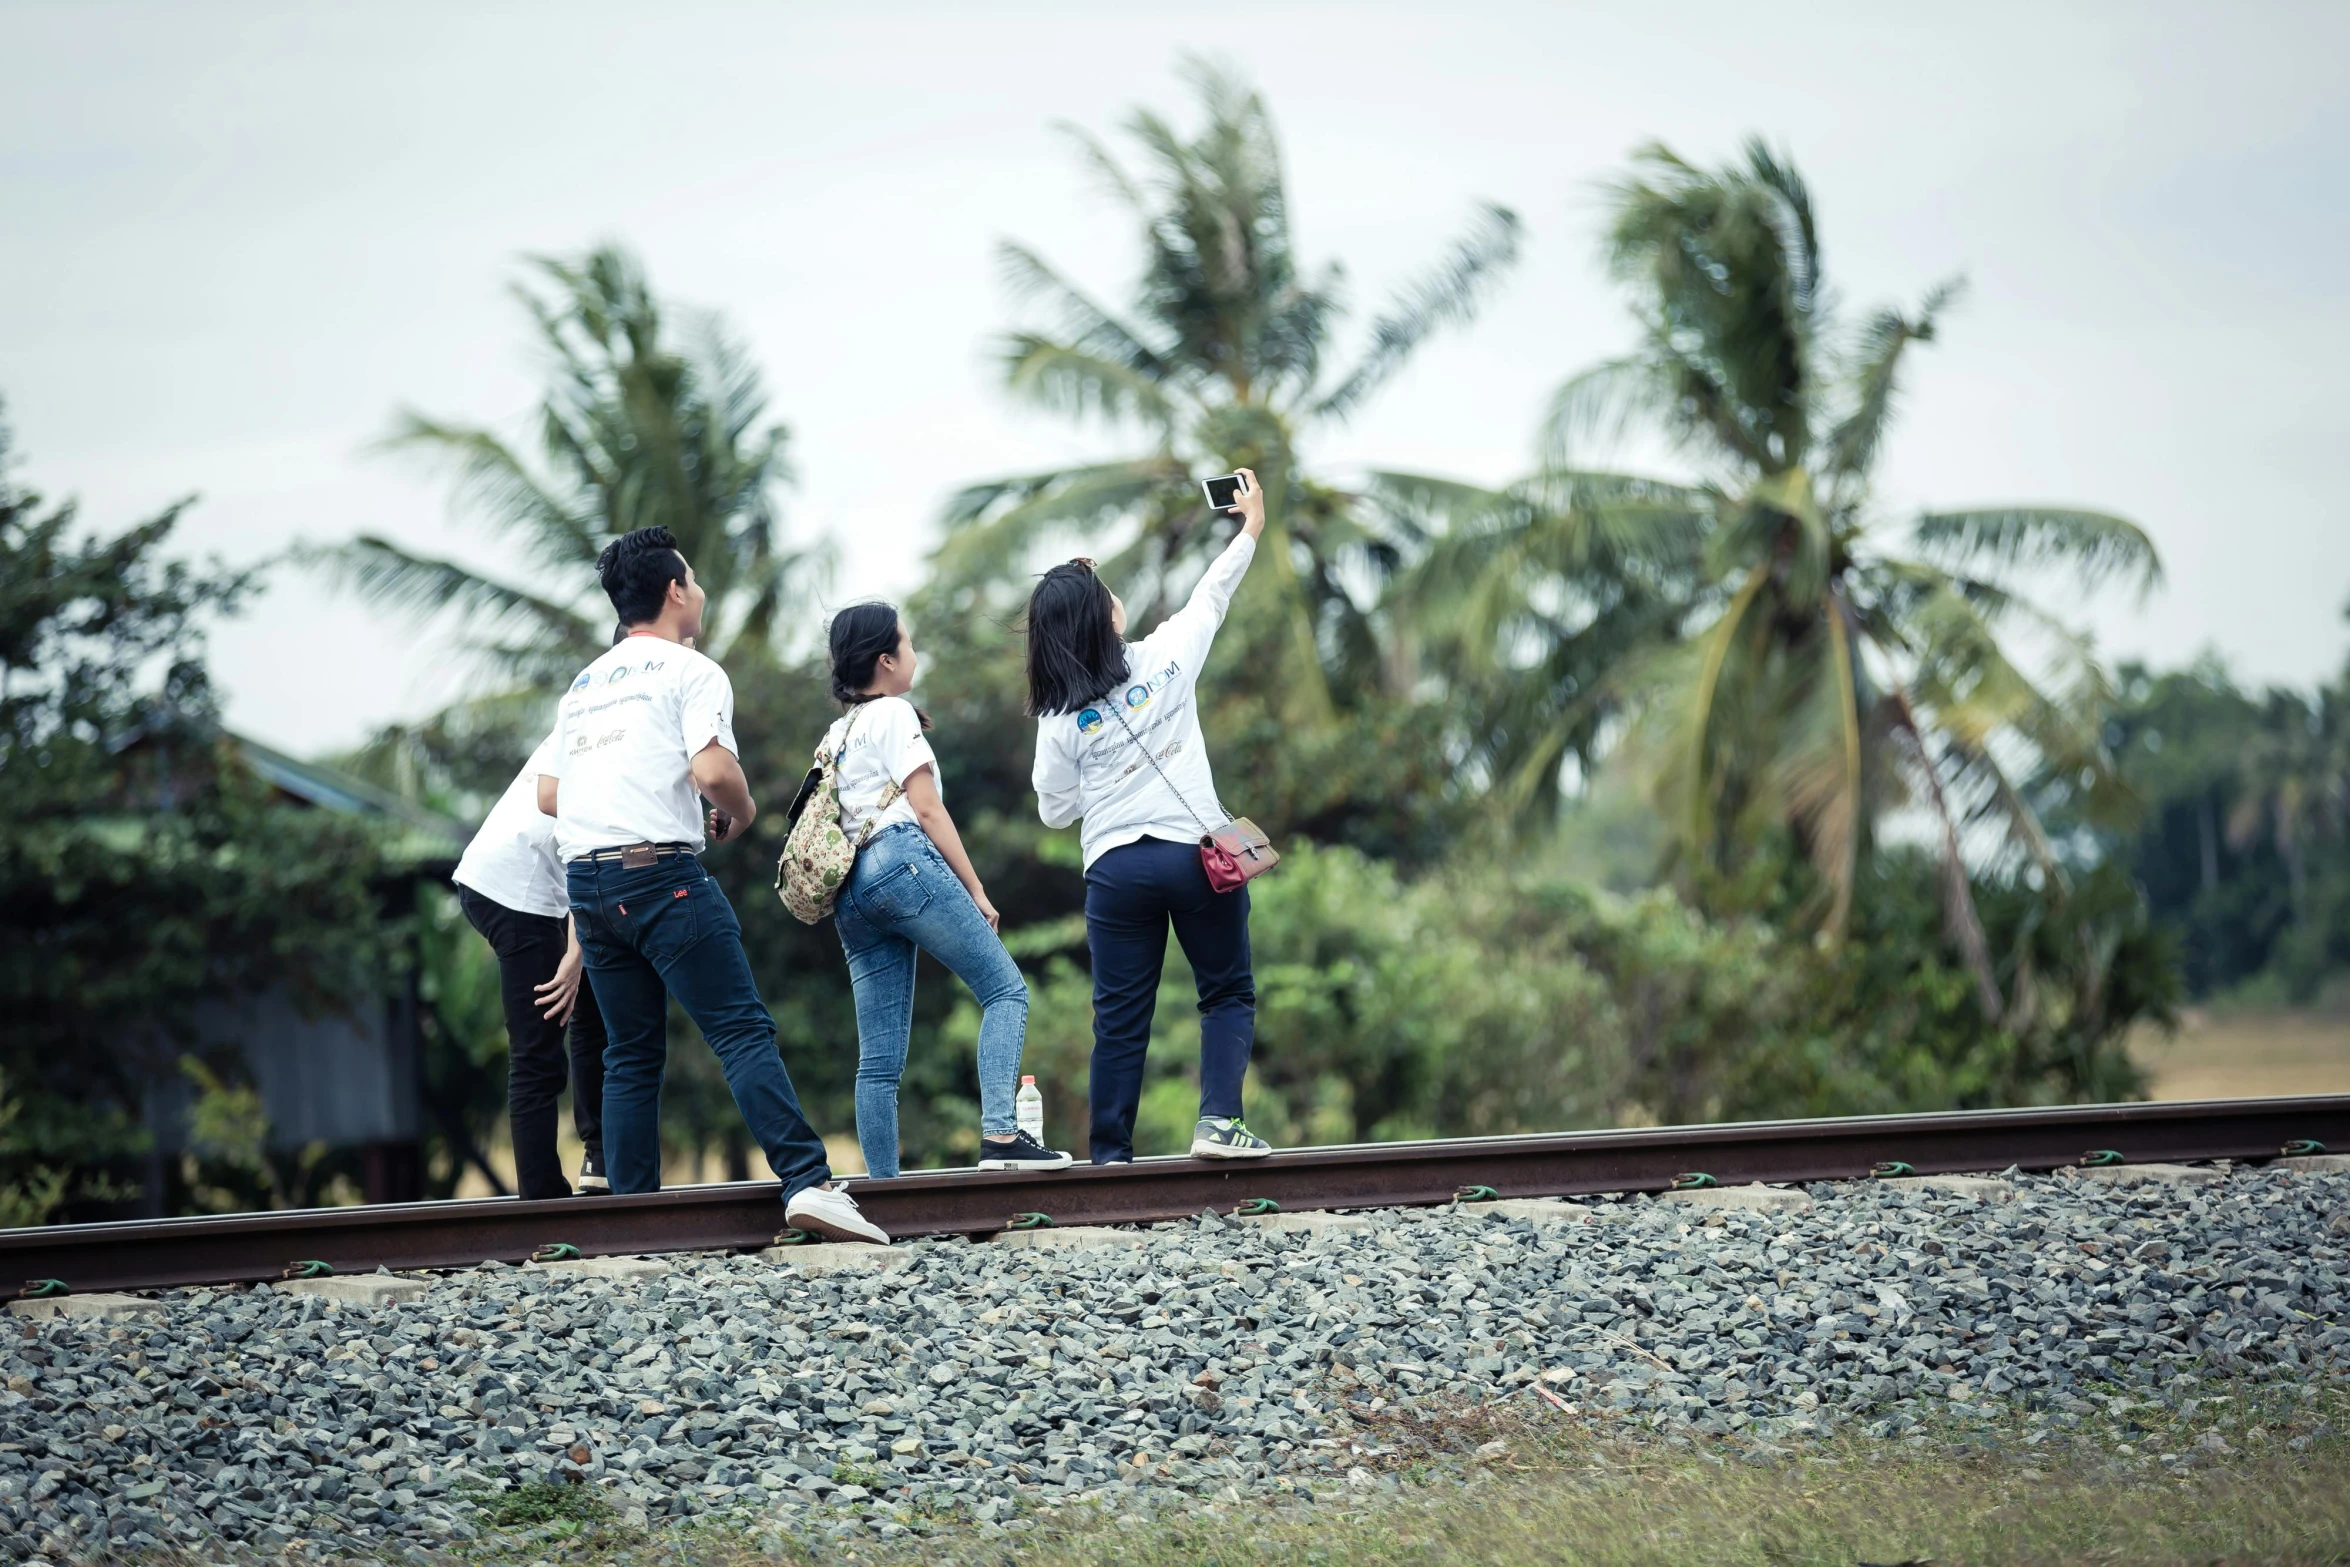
1187	633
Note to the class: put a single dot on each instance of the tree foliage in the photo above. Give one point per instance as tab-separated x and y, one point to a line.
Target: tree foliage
2245	848
143	869
1795	678
644	424
1415	664
1228	355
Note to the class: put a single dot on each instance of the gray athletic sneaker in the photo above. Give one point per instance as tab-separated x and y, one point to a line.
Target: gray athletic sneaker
1218	1138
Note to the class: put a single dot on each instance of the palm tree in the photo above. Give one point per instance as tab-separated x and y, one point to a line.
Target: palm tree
2294	782
632	433
1826	681
1221	360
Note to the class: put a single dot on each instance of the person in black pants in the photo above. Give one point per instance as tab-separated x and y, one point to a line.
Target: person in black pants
510	885
1118	743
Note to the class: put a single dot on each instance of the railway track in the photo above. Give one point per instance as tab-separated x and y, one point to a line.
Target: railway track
245	1248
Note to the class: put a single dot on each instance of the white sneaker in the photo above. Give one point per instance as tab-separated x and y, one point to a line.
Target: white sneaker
832	1213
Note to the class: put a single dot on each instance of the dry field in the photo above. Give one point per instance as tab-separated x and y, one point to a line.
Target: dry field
2247	1055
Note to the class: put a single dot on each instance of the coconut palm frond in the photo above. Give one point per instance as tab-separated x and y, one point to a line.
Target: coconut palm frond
498	486
630	433
1447	296
1070	380
2095	546
388	577
995	525
1855	441
1077	320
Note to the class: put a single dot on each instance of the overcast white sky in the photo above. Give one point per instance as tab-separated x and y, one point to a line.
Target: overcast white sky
234	239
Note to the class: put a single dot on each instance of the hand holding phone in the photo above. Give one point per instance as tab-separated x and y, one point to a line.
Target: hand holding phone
1237	494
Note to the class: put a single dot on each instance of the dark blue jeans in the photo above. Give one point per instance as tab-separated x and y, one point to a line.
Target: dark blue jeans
667	930
1132	894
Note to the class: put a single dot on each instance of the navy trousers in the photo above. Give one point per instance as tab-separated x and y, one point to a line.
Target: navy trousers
667	931
1133	894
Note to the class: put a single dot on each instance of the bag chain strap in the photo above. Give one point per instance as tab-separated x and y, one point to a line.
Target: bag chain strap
1119	714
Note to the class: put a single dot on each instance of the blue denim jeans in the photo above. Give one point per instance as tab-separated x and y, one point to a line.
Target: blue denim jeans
667	930
903	897
1133	894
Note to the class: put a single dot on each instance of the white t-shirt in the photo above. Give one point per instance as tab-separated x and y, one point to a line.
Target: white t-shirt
886	746
1086	763
625	735
512	859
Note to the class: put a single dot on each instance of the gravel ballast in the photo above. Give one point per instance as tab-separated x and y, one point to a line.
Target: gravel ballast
1217	1359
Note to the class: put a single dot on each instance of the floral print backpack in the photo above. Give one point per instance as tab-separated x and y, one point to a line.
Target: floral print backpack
817	855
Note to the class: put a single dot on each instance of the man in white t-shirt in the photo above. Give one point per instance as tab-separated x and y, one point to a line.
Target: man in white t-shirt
510	885
642	732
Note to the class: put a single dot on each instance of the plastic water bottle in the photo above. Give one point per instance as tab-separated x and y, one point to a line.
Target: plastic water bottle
1029	1104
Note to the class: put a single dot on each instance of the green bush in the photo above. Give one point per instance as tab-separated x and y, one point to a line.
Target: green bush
1484	999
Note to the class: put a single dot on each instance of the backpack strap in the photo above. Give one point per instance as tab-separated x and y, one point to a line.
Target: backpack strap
890	789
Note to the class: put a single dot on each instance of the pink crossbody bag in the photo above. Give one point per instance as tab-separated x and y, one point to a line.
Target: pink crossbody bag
1234	854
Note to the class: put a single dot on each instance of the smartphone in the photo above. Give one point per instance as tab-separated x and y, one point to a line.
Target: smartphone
1224	491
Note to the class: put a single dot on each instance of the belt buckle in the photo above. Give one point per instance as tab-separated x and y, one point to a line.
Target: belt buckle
637	856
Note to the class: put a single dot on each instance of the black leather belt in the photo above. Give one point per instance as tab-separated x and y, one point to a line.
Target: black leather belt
637	856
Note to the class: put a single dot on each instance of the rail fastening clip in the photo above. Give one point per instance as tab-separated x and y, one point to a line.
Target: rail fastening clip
310	1268
1692	1181
42	1289
1476	1194
2099	1158
794	1238
2302	1148
556	1251
1256	1207
1890	1170
1030	1221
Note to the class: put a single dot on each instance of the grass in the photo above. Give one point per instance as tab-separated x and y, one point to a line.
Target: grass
1830	1507
539	1502
2264	1477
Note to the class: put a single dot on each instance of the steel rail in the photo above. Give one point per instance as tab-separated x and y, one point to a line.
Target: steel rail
244	1248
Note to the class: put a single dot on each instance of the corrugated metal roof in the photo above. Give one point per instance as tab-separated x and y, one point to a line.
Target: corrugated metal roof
427	836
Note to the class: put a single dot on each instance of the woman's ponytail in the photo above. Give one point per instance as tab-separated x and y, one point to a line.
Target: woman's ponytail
860	635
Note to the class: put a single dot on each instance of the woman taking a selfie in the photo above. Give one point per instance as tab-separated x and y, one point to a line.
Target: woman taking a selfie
1118	743
913	888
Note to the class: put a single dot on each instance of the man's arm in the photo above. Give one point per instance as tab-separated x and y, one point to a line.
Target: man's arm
548	783
719	779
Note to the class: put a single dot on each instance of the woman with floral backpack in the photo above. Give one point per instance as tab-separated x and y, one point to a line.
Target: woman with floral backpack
912	889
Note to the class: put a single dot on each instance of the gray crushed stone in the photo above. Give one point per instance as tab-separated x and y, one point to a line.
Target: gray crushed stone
1217	1360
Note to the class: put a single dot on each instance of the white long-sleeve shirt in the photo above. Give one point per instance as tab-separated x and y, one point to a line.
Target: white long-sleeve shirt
1086	763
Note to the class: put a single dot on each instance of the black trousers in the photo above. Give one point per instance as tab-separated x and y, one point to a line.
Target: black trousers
530	949
1133	894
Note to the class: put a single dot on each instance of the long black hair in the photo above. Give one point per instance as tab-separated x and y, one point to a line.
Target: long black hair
1074	652
860	634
